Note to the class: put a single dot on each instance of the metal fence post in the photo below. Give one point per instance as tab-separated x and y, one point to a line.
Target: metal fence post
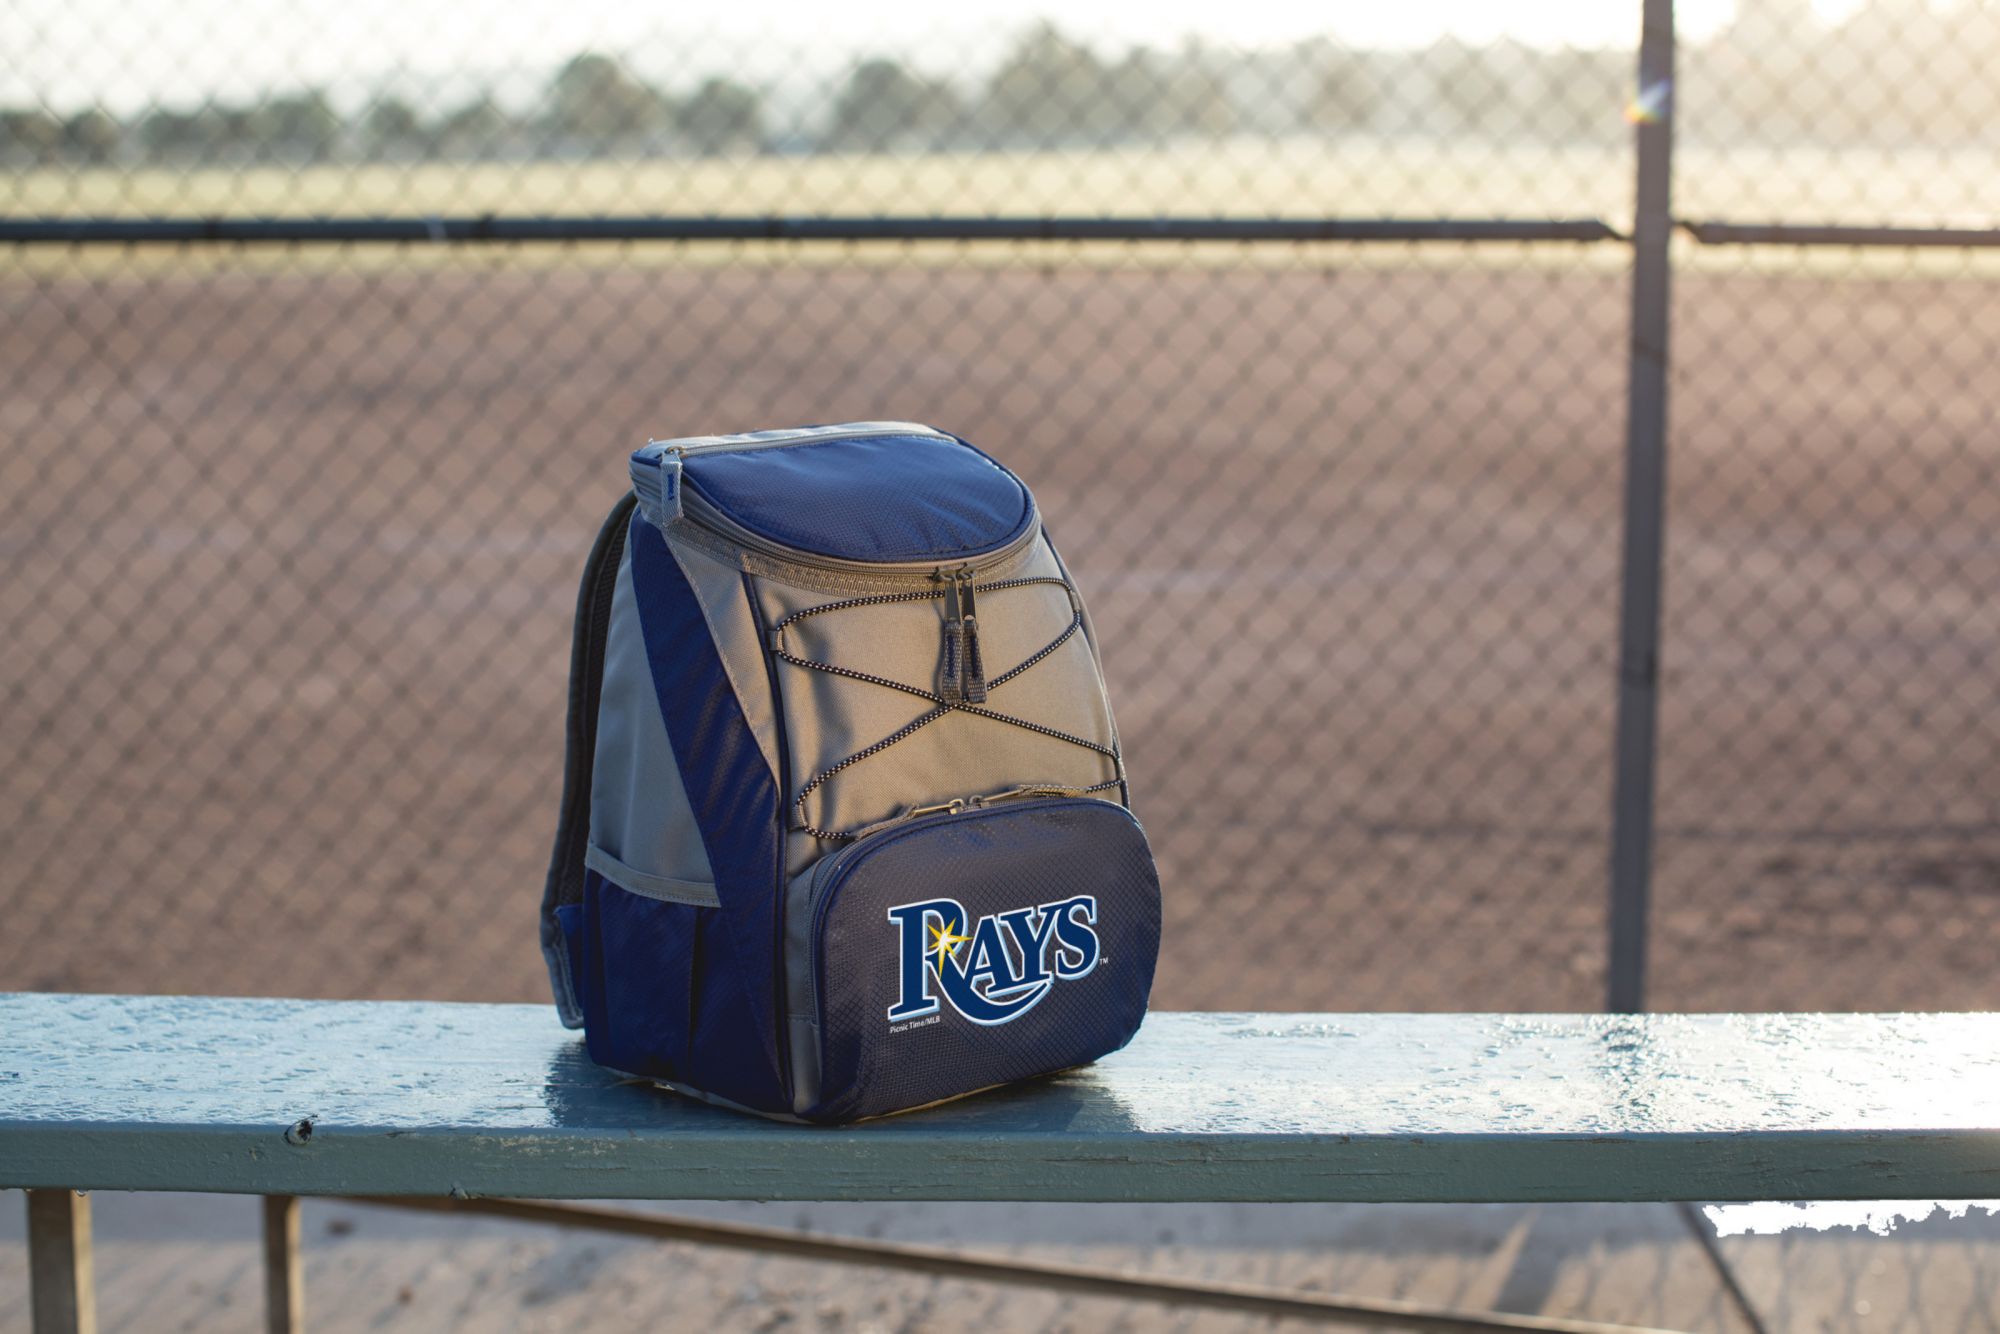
284	1275
62	1289
1645	509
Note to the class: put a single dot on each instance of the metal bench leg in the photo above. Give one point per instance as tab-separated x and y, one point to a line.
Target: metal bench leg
284	1276
64	1296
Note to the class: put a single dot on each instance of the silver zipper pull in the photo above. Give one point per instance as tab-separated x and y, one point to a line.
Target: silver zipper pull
962	673
908	813
974	682
951	667
1027	790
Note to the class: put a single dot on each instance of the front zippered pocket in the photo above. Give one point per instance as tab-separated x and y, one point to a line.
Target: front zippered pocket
967	948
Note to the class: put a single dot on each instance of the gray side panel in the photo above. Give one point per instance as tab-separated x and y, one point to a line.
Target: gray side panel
725	605
632	880
639	810
1096	654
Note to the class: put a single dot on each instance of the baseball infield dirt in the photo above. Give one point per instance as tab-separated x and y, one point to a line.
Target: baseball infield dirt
291	556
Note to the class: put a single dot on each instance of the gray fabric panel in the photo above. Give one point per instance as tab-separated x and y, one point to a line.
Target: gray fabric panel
801	1024
1096	654
647	886
726	607
639	810
828	717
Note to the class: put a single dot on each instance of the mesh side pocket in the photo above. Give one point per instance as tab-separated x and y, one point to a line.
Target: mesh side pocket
638	958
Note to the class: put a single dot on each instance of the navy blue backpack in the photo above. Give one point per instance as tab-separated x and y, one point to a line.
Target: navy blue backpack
845	827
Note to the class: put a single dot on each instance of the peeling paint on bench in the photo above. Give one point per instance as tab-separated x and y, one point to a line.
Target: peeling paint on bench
304	1097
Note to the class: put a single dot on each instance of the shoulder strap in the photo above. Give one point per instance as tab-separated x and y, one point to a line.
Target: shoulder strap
586	683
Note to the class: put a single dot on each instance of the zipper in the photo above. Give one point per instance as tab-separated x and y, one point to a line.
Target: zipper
703	513
666	499
957	804
963	677
702	444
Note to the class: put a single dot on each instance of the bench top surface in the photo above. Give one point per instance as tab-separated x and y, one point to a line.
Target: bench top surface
318	1097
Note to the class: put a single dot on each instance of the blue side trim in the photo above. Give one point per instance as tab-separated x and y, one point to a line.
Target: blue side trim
733	794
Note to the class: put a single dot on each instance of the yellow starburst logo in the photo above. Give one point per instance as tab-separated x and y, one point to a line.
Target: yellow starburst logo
945	942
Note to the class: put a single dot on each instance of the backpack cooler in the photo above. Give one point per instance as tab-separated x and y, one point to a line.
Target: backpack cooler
844	827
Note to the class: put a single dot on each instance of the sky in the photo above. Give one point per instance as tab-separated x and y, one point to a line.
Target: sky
131	53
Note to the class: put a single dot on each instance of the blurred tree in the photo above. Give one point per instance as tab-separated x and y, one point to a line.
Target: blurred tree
1342	92
885	105
1469	95
1135	93
303	125
595	101
478	129
1196	99
722	116
1914	73
1576	96
1765	77
390	126
1151	96
166	133
1050	91
29	136
1775	21
234	131
92	136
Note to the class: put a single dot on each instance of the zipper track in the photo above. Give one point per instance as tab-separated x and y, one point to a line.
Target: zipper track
803	435
705	513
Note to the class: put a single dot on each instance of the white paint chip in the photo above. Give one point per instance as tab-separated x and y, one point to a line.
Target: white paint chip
1879	1216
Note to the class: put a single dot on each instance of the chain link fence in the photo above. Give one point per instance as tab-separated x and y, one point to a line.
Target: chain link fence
292	520
325	337
1830	729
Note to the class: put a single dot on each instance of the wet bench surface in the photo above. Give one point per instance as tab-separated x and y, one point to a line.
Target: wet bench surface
383	1098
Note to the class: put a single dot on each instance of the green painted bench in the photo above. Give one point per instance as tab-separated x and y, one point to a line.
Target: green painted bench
291	1098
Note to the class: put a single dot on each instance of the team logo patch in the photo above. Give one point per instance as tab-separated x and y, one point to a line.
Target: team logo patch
997	970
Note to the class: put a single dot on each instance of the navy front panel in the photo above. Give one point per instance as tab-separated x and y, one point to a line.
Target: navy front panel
878	498
969	950
733	796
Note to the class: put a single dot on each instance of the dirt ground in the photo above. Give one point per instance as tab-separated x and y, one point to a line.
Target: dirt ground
290	560
191	1262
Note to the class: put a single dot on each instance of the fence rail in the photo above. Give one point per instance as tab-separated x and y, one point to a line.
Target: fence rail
130	231
503	228
1831	234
